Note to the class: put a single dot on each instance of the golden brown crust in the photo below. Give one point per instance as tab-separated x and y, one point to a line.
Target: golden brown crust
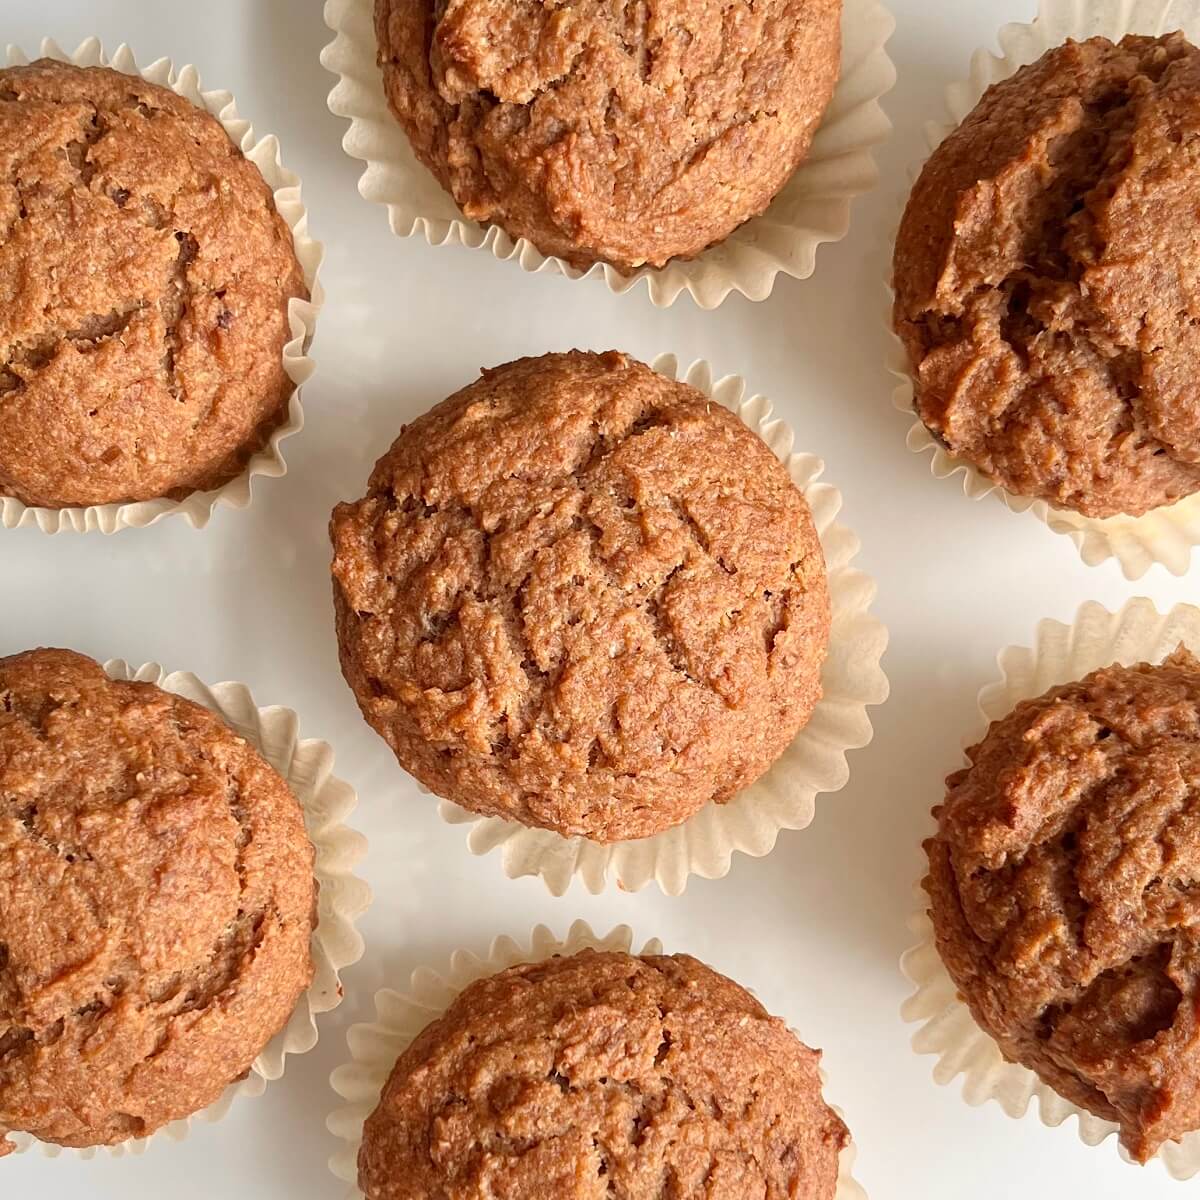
582	596
627	133
602	1074
145	278
1065	893
156	903
1046	279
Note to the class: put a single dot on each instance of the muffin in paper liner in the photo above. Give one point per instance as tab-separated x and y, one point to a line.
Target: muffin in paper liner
1164	535
198	507
306	766
812	208
1061	654
400	1017
815	761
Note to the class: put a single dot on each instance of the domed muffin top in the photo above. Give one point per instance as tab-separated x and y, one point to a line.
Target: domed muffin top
156	902
145	277
622	133
1065	890
602	1074
1047	279
583	596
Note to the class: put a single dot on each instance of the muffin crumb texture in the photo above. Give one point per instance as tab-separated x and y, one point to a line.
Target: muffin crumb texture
156	903
1065	893
628	133
1047	278
145	277
603	1075
582	596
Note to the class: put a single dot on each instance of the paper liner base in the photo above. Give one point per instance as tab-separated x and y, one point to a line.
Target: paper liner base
306	765
784	797
197	509
1061	654
1164	535
400	1017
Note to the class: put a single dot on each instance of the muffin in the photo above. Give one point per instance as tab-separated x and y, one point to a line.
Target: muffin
145	278
627	134
1047	279
156	902
1064	885
603	1074
581	596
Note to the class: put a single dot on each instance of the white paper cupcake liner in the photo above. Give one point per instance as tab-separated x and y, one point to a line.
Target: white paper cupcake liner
1062	654
400	1017
782	798
306	766
814	206
263	152
1164	535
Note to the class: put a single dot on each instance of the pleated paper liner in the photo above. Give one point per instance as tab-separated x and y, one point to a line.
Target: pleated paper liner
814	206
307	768
400	1017
1164	535
263	152
1061	654
782	798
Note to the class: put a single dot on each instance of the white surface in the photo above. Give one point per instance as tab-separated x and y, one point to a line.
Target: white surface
816	928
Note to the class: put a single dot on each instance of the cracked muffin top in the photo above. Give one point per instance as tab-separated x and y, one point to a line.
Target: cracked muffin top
1048	280
145	278
582	596
1065	893
156	902
627	133
602	1074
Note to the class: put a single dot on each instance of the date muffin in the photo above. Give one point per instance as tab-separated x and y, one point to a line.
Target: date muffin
156	902
1064	885
627	133
581	596
145	278
1047	279
603	1074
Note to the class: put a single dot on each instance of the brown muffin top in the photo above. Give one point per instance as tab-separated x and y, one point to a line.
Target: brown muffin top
622	133
156	902
602	1075
1065	889
1047	279
583	596
144	285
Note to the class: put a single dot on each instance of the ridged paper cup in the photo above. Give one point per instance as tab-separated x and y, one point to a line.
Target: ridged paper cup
400	1017
784	796
813	207
199	507
306	766
1061	654
1164	535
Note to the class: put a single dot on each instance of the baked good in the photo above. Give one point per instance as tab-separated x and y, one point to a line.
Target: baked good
582	596
156	903
602	1074
1064	884
1047	279
627	134
145	278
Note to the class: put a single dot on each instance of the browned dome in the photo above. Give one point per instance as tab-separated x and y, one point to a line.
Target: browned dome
582	596
156	903
1064	883
1046	279
145	278
627	134
602	1074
